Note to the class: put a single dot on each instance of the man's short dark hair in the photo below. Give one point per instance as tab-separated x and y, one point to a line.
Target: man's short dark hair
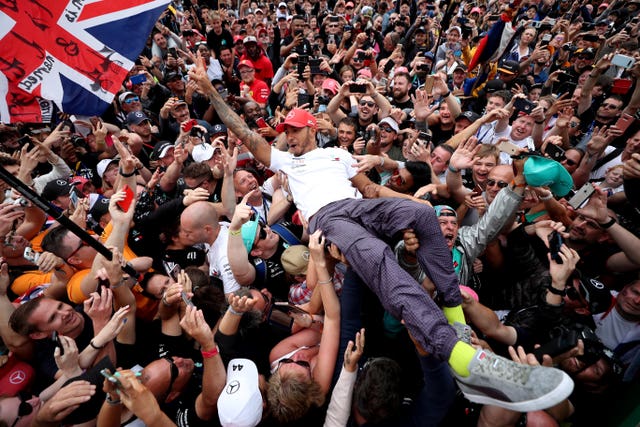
421	173
52	242
198	170
349	122
504	94
19	320
377	393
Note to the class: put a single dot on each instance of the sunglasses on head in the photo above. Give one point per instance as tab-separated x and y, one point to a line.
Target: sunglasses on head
500	184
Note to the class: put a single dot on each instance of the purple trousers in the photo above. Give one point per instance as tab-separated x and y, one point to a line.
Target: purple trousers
357	226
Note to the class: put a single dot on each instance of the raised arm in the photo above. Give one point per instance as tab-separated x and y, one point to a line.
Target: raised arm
253	141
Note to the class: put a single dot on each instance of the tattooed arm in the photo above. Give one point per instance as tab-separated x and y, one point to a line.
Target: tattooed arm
253	141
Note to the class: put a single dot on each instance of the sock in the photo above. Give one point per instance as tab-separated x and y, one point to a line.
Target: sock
460	358
454	314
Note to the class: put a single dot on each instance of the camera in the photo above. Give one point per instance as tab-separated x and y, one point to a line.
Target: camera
21	201
196	132
424	67
368	135
323	100
569	47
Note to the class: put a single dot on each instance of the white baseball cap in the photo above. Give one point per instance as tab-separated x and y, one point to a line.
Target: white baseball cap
240	403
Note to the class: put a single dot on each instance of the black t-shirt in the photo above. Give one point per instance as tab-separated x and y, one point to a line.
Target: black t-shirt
408	104
439	136
216	42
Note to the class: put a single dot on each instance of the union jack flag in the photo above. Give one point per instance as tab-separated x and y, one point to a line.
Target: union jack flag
76	53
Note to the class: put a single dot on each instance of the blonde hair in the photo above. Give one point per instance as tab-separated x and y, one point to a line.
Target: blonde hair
291	396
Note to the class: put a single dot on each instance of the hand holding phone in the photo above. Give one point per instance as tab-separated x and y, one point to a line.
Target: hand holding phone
56	341
555	243
126	203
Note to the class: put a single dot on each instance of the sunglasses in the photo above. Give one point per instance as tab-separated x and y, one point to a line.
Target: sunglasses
500	184
24	409
132	100
302	363
82	245
397	179
369	104
387	129
174	375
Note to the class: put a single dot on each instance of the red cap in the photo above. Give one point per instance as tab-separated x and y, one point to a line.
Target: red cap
246	63
237	39
15	376
298	119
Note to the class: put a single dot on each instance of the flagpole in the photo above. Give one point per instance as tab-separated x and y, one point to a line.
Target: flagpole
56	214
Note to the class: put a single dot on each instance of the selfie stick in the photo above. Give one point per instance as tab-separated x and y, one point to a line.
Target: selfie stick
56	214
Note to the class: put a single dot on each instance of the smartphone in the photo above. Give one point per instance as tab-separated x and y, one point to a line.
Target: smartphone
334	19
111	378
315	62
357	88
262	123
424	137
186	299
173	52
524	105
551	21
545	40
23	140
383	82
56	341
582	196
555	242
556	153
331	39
477	191
126	203
509	148
624	122
73	197
303	60
289	308
623	61
428	85
31	255
593	38
138	79
388	66
172	271
304	98
558	345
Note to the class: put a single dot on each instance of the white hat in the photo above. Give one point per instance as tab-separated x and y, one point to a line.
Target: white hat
240	403
124	96
390	122
103	165
202	152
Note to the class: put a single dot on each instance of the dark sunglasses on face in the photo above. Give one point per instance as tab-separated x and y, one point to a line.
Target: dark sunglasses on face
174	374
369	104
387	129
302	363
500	184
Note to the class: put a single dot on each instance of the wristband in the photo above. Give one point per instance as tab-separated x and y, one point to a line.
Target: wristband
232	311
540	123
452	169
381	161
112	402
235	232
555	291
211	353
95	346
547	197
608	224
324	282
446	95
126	175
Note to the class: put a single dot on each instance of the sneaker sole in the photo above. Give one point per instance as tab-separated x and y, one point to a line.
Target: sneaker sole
479	395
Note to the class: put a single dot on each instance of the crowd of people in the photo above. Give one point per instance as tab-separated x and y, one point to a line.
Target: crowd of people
335	213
